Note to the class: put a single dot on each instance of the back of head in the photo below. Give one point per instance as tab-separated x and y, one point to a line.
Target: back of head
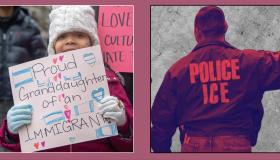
210	20
73	18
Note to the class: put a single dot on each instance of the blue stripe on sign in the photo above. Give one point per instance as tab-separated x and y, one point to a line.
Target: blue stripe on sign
76	110
114	129
24	82
88	54
66	78
55	120
89	59
53	113
21	71
75	79
91	106
99	133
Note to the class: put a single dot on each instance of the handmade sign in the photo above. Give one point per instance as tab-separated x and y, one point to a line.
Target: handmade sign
115	30
64	91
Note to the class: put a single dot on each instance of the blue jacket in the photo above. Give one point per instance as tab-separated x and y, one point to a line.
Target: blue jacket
20	41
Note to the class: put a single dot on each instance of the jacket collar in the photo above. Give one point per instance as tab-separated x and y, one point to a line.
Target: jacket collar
217	43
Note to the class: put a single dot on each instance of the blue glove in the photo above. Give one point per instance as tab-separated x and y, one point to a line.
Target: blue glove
18	116
111	107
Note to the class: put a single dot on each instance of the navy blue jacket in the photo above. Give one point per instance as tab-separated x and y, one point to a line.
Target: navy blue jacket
20	41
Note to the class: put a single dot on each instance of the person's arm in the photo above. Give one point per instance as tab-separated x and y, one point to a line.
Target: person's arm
36	47
264	71
18	116
269	70
163	115
118	108
117	90
8	139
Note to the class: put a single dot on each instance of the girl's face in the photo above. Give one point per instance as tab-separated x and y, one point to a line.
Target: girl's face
71	41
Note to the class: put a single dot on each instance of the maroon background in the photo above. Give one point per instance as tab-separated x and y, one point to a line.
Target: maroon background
142	87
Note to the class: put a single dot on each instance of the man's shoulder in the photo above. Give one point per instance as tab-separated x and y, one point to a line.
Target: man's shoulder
180	65
25	20
250	51
257	54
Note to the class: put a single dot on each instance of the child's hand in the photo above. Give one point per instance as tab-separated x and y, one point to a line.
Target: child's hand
111	107
18	116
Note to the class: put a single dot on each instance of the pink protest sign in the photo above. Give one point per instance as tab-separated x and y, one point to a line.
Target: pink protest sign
115	30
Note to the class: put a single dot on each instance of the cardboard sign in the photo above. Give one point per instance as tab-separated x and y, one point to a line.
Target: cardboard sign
115	30
64	91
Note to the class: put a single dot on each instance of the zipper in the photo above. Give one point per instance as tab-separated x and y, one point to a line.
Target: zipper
4	49
4	36
2	57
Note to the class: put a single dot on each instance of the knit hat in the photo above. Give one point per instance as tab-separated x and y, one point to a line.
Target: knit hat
211	19
73	18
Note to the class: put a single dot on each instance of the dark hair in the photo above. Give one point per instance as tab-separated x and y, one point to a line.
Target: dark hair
210	21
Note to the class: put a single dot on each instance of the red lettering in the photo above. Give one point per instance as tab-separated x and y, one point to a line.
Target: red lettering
224	91
193	71
215	71
211	71
204	72
216	93
213	95
225	74
235	68
218	70
205	94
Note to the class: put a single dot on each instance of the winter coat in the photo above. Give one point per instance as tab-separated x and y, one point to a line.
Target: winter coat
11	141
20	41
214	90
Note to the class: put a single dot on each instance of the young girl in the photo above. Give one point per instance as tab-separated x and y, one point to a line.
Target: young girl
74	27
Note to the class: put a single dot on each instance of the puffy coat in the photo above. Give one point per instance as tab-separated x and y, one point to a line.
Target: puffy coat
214	90
116	143
20	41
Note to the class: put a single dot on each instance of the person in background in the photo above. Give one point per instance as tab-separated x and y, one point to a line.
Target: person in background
20	41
